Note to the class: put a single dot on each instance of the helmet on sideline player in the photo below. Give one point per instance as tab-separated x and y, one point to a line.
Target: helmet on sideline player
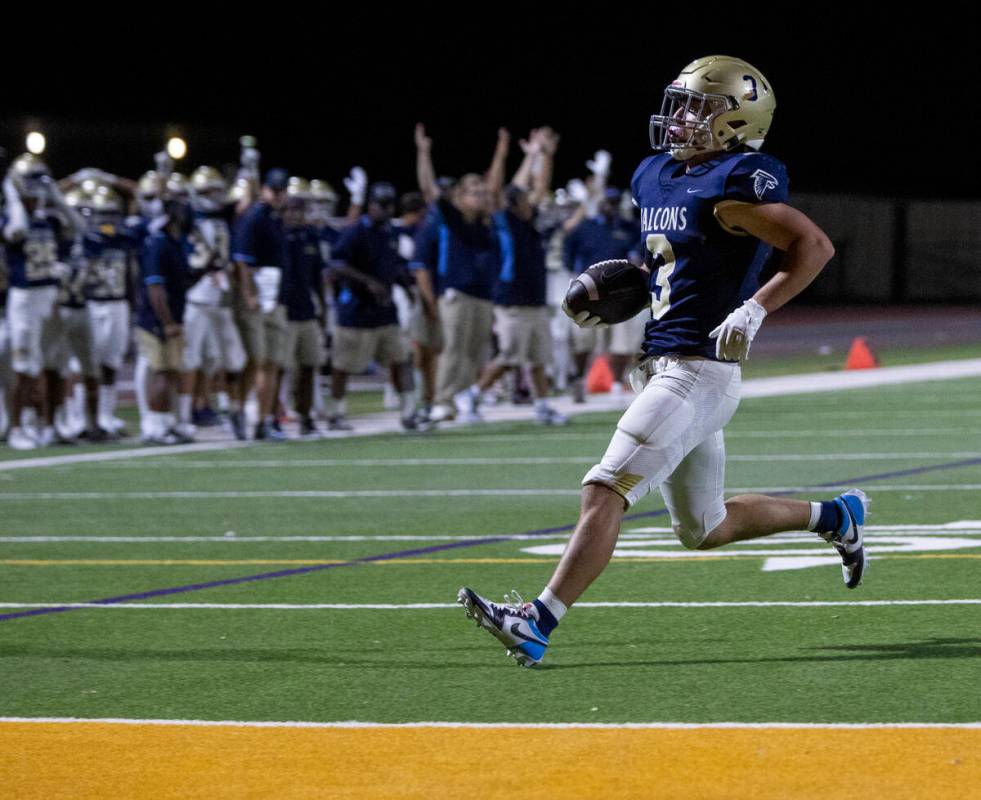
208	190
716	103
107	207
30	176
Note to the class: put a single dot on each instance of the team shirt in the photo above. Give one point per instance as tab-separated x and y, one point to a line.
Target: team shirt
110	252
463	256
373	249
521	280
210	248
598	239
33	260
303	276
73	289
259	239
164	263
700	272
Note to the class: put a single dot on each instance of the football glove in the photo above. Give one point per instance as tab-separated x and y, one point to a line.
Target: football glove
583	319
734	336
356	184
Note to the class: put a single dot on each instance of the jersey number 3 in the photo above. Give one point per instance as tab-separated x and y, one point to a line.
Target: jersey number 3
660	258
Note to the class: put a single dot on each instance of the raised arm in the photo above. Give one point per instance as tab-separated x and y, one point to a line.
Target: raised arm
495	173
425	173
541	171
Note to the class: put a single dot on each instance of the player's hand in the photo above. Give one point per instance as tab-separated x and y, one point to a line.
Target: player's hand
577	191
423	142
356	184
173	330
600	163
583	319
252	302
734	336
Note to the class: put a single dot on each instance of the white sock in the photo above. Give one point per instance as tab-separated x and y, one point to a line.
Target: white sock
815	515
541	404
184	407
408	402
223	404
552	603
340	407
141	375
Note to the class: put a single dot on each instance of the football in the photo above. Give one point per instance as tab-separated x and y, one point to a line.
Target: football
614	291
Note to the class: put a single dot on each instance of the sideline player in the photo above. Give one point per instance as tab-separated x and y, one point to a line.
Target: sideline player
711	209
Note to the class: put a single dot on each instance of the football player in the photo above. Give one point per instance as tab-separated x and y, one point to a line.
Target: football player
110	250
208	324
712	207
38	228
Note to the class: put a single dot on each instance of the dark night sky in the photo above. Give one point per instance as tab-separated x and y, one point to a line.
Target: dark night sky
855	93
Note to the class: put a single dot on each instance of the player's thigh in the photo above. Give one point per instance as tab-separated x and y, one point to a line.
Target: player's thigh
196	329
230	341
693	493
512	339
649	442
78	337
25	316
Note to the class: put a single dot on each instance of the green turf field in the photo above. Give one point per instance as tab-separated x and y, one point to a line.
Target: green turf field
422	505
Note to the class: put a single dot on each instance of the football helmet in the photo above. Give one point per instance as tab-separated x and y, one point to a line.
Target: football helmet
298	188
242	189
716	103
149	189
323	202
107	207
30	176
208	189
177	185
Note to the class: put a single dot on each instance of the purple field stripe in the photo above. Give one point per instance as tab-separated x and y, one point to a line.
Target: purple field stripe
286	573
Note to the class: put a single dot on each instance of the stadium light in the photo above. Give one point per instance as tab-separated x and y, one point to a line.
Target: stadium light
176	148
36	142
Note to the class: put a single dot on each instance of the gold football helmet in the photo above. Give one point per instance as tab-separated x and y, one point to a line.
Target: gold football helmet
206	179
321	190
29	174
176	186
716	103
149	186
298	188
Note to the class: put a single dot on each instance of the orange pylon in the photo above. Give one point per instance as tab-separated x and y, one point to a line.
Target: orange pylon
860	355
600	376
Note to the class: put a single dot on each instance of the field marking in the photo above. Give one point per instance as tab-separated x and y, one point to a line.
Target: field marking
304	463
860	726
443	606
967	527
355	494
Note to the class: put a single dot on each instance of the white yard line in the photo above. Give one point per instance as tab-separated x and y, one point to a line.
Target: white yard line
341	495
355	724
809	383
966	528
433	606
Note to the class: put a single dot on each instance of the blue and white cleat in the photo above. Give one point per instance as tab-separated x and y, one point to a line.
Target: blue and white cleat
511	624
847	540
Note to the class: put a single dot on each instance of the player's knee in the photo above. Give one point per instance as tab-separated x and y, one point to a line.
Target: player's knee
692	536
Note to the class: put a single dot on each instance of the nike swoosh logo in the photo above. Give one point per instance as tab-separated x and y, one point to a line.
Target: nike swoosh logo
516	631
693	191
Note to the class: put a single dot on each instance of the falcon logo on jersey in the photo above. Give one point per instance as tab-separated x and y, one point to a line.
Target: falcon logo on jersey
672	218
763	182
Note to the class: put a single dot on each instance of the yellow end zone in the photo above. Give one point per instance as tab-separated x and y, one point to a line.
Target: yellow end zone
91	759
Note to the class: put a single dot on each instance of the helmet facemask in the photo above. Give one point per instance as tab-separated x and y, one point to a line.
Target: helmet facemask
684	126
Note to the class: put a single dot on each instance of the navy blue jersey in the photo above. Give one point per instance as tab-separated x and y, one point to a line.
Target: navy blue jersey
32	260
374	250
521	280
600	239
329	236
460	255
163	263
303	275
110	252
258	238
700	272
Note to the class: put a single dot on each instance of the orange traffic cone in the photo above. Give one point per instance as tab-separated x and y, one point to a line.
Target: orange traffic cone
600	377
860	355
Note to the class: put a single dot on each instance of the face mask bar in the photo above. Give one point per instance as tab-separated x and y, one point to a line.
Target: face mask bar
684	121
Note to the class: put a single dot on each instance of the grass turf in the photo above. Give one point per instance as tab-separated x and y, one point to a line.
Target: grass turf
841	663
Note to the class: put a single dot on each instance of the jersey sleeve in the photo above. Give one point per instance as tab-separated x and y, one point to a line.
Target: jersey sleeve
152	261
427	247
758	178
243	239
344	248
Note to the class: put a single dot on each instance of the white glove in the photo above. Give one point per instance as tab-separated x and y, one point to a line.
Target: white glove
735	334
583	319
577	191
357	184
600	163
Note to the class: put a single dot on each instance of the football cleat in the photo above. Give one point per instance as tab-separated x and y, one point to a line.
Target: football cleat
339	422
848	540
547	415
511	624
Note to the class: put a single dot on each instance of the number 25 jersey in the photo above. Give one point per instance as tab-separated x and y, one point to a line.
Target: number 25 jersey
700	271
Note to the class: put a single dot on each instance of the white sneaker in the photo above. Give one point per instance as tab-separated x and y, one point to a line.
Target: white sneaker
20	439
547	415
442	413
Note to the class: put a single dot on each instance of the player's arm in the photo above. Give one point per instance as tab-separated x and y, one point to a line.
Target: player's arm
244	258
495	173
542	170
425	172
807	248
